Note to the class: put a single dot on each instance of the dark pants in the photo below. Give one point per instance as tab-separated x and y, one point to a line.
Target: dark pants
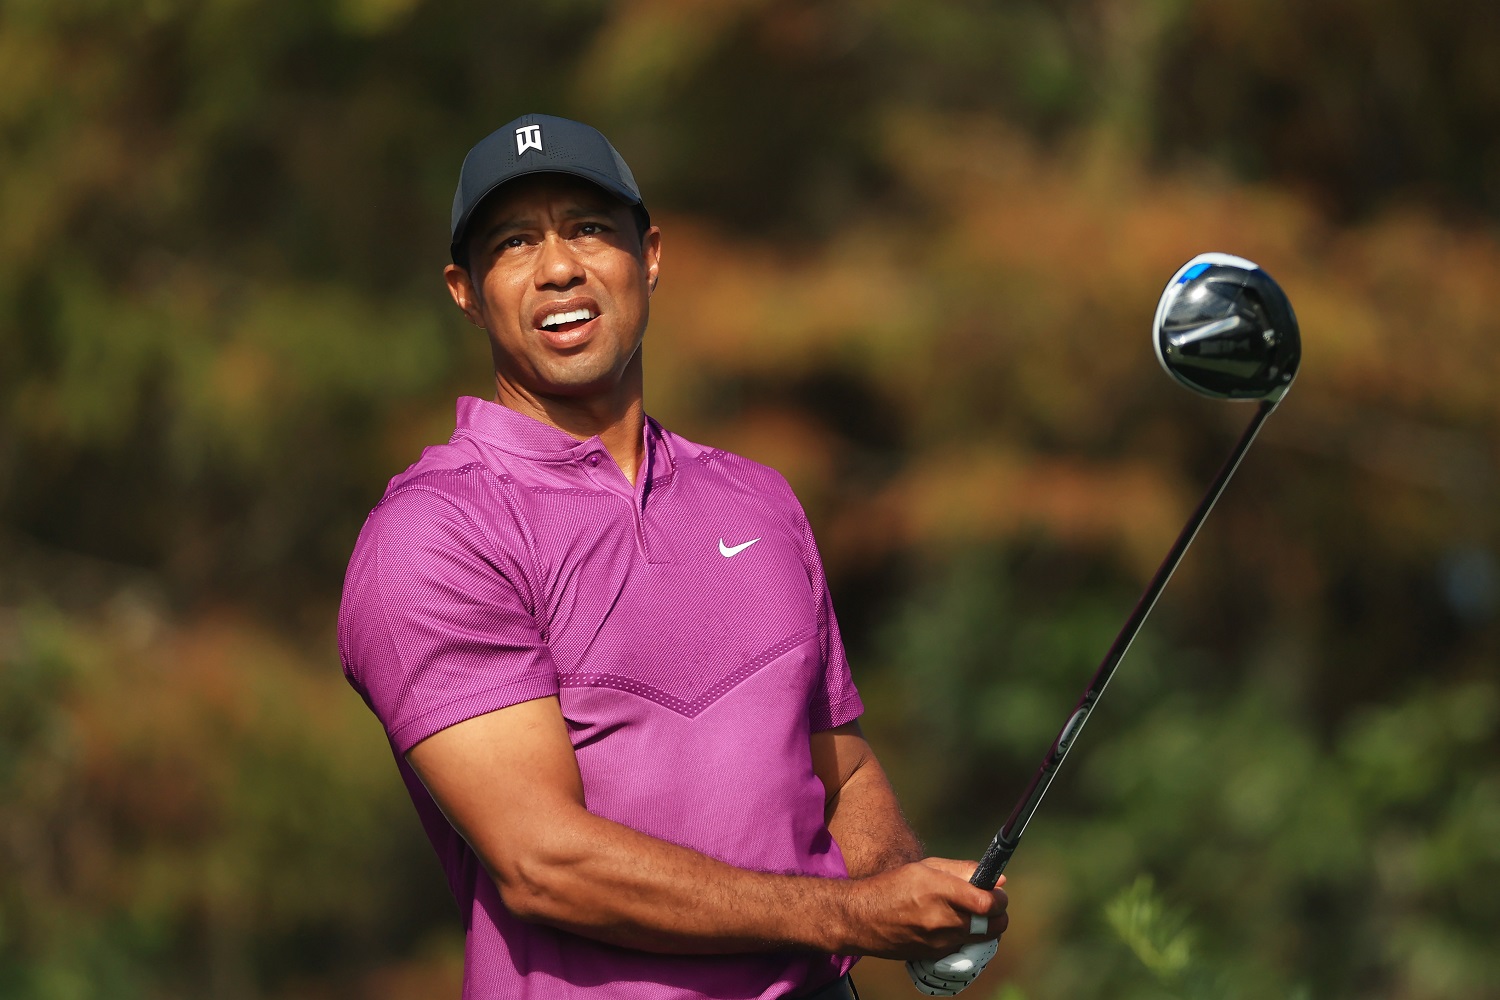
841	988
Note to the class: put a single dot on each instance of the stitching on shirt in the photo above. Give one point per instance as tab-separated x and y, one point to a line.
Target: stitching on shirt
692	709
416	482
576	491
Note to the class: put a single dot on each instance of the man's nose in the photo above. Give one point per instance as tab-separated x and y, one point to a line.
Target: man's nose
557	266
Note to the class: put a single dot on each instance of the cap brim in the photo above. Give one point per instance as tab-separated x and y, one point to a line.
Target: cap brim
461	231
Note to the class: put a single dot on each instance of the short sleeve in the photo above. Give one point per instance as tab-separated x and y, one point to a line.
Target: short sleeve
836	701
436	622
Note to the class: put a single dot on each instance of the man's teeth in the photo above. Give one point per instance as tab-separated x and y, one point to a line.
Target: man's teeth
558	319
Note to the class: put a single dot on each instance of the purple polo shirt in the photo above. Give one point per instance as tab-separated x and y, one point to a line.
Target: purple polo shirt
685	626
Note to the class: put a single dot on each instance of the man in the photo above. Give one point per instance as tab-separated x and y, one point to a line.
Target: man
606	657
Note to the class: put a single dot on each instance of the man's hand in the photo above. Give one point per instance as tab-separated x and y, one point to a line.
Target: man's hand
923	909
949	975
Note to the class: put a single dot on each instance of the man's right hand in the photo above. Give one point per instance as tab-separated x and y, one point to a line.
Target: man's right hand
922	910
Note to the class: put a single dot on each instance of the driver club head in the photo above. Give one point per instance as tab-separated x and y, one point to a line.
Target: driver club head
1224	328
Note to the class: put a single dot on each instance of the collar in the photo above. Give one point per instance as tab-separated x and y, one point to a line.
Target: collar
525	437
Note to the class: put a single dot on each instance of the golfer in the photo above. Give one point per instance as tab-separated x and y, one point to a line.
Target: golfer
606	658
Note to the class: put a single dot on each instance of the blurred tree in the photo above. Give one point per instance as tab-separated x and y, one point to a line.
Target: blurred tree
906	243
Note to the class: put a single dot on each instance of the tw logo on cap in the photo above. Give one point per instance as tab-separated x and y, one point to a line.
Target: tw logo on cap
528	137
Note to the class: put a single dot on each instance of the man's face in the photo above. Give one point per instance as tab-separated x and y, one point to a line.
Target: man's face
561	279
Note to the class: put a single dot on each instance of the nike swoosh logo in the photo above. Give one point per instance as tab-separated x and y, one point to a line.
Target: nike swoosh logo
733	550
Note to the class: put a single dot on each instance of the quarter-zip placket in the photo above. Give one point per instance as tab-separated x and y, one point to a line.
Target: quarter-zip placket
612	478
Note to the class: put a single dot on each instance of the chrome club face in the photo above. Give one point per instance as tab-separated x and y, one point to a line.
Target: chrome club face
1224	328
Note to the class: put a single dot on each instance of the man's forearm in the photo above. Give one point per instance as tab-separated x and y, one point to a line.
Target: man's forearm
596	877
554	862
614	884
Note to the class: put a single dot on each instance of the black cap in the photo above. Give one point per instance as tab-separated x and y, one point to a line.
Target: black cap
539	144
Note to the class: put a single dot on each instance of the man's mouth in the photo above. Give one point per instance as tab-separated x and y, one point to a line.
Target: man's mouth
567	322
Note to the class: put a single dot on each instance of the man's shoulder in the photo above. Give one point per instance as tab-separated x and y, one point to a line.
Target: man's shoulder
455	470
451	487
735	471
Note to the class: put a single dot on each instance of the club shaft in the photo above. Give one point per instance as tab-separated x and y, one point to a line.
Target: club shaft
997	855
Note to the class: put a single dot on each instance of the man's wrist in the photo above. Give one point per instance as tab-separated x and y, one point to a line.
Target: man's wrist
851	917
835	916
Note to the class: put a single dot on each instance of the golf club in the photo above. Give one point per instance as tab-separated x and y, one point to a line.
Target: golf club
1223	328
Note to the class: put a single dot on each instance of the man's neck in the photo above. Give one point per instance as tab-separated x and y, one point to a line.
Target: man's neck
618	420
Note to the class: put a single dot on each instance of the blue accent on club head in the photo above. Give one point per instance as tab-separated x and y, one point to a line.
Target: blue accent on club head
1193	272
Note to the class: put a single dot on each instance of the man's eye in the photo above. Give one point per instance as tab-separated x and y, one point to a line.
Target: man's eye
513	242
590	229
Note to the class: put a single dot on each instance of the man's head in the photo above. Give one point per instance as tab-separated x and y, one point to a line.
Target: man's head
555	258
538	144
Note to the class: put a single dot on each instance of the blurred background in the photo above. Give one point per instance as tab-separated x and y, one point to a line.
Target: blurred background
912	250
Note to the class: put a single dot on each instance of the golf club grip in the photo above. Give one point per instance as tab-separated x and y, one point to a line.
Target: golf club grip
992	863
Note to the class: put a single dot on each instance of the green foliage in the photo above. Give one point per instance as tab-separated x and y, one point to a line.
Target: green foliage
911	252
180	814
1309	861
1156	935
1162	940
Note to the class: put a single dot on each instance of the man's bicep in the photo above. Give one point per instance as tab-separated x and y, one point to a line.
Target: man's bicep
503	779
837	754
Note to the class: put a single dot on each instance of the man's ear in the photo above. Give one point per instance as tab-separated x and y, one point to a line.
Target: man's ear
651	254
465	294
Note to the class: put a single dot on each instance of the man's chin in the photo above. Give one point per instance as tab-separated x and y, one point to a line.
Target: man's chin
579	385
576	379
